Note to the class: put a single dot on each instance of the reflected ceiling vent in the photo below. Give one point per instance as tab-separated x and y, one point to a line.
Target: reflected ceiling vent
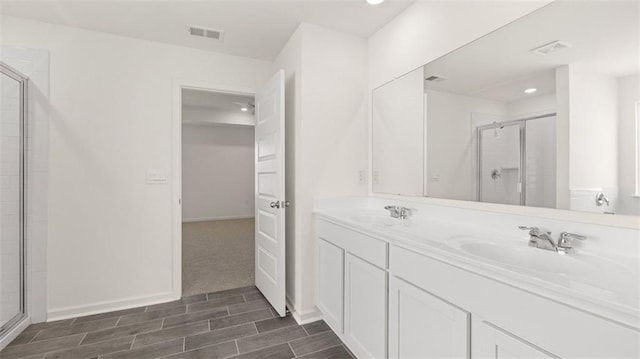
546	49
434	78
204	32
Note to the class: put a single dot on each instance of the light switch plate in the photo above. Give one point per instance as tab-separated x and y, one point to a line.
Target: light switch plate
362	176
157	176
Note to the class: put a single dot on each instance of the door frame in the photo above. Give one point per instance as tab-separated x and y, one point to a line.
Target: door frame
175	176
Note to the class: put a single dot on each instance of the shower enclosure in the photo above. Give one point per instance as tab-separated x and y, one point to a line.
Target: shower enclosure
516	162
13	118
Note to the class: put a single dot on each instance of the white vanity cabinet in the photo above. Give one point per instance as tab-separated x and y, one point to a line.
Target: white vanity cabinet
330	277
399	299
352	287
495	343
365	308
424	326
508	322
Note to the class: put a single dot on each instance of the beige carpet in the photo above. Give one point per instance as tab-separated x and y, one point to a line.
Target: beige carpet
217	255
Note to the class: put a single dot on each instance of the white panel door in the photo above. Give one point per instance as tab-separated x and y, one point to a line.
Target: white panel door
365	308
269	193
422	326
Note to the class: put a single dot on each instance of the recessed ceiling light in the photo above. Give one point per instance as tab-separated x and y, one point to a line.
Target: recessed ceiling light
531	90
374	2
244	109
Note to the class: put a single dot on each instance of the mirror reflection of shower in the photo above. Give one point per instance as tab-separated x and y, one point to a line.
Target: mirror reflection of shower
516	161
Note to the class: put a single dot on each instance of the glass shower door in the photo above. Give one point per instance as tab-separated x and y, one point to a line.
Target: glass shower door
499	163
12	119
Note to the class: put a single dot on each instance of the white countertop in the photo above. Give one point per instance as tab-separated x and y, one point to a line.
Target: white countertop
606	284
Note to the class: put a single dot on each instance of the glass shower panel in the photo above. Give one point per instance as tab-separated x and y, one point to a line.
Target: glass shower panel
499	164
11	308
541	162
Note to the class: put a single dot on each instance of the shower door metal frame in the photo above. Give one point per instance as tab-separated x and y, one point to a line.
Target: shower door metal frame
23	81
522	177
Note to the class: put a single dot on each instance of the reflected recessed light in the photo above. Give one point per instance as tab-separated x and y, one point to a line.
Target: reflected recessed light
531	90
244	109
374	2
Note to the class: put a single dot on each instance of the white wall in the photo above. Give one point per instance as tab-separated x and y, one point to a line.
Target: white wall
628	96
451	142
593	137
538	105
329	72
217	172
109	232
398	135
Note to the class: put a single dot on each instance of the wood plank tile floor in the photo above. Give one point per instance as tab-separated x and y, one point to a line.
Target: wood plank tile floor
236	323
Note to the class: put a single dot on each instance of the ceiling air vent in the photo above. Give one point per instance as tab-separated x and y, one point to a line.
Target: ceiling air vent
204	32
550	47
434	78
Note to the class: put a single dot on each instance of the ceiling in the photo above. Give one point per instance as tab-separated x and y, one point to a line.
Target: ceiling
256	29
513	90
604	37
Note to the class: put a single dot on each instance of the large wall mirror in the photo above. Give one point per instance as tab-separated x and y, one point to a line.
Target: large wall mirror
543	112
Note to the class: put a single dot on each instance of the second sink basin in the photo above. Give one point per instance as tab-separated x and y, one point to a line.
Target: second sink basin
525	257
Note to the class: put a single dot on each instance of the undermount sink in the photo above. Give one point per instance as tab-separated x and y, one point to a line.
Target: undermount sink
525	257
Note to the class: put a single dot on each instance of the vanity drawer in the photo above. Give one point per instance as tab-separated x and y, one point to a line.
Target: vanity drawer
368	248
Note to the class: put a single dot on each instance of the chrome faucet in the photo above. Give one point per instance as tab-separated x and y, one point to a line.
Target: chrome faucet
399	211
564	242
542	239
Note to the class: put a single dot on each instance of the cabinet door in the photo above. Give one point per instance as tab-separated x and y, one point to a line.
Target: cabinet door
330	291
492	342
424	326
366	308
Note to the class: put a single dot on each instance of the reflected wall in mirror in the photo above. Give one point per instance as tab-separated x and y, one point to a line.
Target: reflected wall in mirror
542	112
398	136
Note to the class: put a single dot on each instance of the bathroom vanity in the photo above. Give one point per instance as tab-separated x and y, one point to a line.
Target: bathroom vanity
452	282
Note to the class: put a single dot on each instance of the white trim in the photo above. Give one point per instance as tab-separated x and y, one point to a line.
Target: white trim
218	218
306	317
103	307
176	166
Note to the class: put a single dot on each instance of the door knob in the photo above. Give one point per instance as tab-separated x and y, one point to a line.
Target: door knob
275	204
286	204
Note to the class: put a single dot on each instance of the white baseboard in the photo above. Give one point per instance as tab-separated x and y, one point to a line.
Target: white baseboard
305	317
219	218
103	307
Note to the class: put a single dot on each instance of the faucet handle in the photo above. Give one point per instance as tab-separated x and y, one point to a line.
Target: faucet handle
566	236
564	242
534	231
